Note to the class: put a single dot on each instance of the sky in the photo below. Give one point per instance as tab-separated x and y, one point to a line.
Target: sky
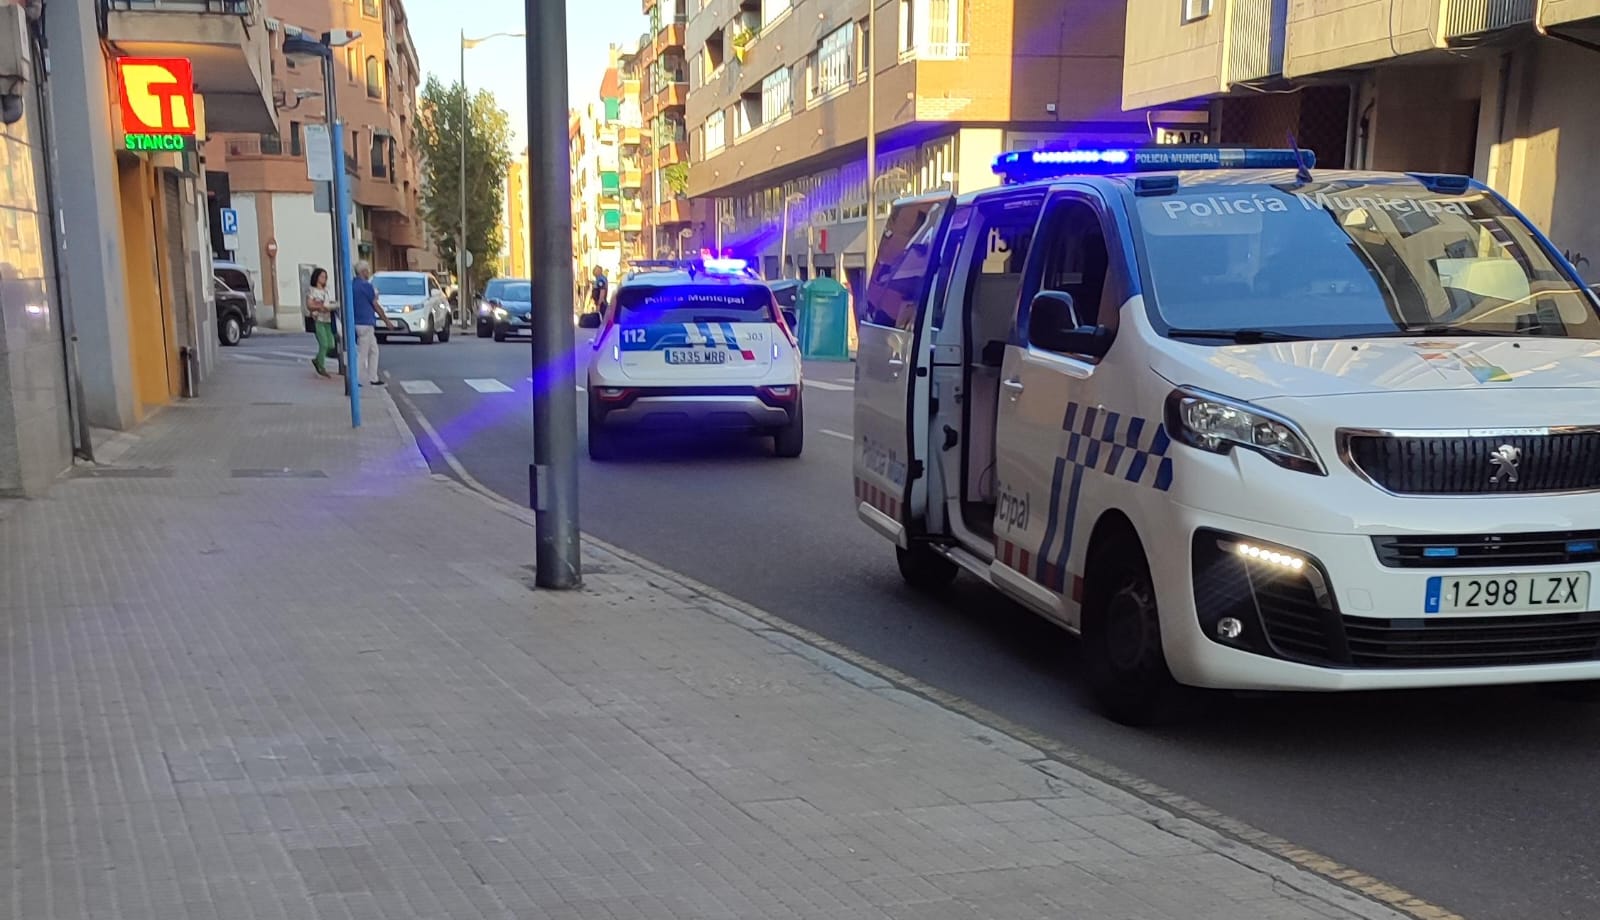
498	65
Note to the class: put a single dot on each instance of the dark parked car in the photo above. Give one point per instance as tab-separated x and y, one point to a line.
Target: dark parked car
510	303
232	282
236	314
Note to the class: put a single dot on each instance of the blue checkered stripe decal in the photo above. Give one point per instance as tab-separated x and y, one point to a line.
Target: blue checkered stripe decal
679	335
1125	446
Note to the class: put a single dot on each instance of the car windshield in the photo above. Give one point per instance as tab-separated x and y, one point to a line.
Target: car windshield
1350	260
645	304
400	285
512	291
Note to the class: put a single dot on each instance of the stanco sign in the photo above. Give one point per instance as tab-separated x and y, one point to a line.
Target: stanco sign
158	103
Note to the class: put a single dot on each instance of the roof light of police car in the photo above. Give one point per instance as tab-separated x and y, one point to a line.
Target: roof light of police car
1217	424
1026	165
724	266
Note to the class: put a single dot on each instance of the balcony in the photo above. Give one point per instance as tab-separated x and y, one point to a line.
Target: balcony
649	5
629	136
935	51
225	40
668	38
1218	47
672	211
672	152
1471	18
1578	18
632	220
672	96
632	177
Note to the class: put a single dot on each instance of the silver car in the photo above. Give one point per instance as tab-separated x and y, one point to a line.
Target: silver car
415	303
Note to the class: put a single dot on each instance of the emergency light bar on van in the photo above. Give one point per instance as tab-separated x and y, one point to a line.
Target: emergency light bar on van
1031	165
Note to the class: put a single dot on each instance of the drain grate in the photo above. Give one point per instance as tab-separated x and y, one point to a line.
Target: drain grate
278	474
127	472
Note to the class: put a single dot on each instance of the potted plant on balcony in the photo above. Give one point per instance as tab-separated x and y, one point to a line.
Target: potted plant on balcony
677	176
742	40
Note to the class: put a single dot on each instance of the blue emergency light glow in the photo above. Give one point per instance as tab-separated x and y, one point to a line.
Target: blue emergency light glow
1578	547
1029	165
1440	552
724	266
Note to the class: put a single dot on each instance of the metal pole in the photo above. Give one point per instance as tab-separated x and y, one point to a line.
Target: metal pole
341	279
461	237
872	135
553	479
341	239
783	244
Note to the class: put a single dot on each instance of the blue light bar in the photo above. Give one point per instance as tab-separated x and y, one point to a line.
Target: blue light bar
1027	165
1441	552
725	266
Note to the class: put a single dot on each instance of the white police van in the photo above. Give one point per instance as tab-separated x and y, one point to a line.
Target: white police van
703	346
1242	424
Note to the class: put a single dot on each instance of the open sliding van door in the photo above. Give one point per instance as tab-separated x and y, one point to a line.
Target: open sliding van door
892	359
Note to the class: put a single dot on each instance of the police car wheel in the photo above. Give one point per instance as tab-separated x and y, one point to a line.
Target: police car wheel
790	440
1122	654
924	569
602	442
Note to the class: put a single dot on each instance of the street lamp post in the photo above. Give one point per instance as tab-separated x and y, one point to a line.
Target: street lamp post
466	121
683	237
297	43
783	243
724	222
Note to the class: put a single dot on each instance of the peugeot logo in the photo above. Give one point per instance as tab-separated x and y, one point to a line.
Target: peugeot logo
1504	459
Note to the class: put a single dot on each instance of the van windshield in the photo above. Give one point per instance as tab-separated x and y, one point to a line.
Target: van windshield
1352	260
647	304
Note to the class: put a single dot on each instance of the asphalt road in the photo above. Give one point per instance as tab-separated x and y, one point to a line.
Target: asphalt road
1481	801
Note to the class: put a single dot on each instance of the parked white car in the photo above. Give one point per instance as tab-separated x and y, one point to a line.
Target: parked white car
416	304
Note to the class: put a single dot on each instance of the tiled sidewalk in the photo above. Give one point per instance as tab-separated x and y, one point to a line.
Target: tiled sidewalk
265	666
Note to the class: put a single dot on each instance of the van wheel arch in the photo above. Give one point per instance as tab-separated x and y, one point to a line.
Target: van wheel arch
1123	658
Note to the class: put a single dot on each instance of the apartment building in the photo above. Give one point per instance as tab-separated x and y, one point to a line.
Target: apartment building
665	72
777	113
514	227
1496	89
608	199
284	220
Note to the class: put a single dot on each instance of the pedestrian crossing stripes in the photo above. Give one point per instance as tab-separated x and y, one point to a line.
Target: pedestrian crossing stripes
487	385
825	385
420	387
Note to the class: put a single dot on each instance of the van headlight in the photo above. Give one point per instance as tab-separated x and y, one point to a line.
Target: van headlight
1209	422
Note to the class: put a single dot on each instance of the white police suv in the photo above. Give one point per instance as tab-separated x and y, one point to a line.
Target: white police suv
1240	423
703	346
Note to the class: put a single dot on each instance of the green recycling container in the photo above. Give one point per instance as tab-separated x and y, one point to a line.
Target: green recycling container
824	320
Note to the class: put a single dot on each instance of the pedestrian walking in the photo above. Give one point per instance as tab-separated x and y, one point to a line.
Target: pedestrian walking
319	303
368	313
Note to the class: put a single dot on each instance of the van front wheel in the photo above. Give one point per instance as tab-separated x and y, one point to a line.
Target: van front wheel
924	569
1123	659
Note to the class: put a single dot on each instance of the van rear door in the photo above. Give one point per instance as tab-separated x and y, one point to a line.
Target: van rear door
892	357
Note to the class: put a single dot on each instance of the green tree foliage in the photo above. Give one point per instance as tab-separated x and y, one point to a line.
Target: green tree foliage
488	156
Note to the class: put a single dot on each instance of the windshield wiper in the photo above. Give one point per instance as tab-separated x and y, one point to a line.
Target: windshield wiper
1239	336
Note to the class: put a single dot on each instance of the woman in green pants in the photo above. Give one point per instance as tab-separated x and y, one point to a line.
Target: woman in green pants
319	301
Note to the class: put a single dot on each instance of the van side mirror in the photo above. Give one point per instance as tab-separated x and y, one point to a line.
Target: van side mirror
590	320
1053	326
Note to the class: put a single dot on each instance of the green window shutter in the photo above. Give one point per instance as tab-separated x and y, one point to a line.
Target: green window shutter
610	182
612	218
613	109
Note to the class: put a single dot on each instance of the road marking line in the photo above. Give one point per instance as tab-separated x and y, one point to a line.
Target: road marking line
487	385
1164	803
420	387
825	385
835	434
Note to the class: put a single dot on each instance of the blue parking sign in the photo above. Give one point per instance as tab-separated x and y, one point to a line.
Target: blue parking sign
230	221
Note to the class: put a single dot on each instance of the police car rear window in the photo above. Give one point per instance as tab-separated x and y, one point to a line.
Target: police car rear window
645	304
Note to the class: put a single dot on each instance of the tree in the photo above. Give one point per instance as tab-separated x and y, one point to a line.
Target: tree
488	156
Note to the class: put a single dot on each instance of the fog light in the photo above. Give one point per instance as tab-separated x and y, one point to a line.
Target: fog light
612	392
1271	557
1229	628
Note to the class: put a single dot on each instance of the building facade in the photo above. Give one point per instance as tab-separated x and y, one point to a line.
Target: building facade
285	222
608	201
664	99
515	228
1495	89
777	115
109	149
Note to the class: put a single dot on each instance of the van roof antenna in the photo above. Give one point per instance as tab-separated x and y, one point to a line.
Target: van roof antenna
1302	171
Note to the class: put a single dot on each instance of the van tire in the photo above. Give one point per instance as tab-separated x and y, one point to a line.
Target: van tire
1123	659
444	331
924	569
232	331
790	440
